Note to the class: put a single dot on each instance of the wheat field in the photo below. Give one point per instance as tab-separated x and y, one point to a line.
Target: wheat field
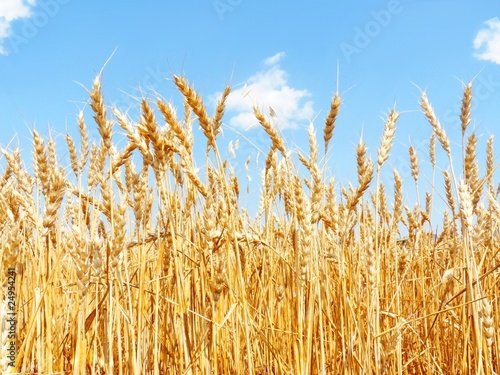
131	259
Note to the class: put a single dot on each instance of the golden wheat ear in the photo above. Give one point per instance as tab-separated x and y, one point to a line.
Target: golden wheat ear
330	119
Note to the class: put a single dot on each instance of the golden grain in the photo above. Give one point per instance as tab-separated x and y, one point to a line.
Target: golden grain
438	130
330	119
140	263
270	130
387	137
414	164
466	107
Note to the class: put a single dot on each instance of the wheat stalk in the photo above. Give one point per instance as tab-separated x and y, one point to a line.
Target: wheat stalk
387	137
330	119
490	169
196	104
466	107
97	105
270	130
438	130
121	270
414	164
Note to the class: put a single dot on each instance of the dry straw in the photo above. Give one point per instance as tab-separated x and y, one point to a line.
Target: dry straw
141	261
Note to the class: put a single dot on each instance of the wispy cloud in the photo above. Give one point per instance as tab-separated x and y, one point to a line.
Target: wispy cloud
269	88
11	10
487	41
270	61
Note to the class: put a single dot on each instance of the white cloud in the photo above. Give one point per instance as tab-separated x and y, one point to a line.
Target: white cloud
268	88
274	59
487	41
11	10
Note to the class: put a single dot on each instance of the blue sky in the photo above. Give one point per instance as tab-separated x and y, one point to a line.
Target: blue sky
291	57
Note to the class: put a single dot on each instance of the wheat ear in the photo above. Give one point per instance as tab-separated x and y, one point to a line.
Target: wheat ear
387	137
330	119
270	130
466	107
431	117
196	104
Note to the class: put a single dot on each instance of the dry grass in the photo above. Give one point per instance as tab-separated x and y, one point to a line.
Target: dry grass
140	263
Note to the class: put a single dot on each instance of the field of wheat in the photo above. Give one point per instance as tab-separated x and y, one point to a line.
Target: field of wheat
132	259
